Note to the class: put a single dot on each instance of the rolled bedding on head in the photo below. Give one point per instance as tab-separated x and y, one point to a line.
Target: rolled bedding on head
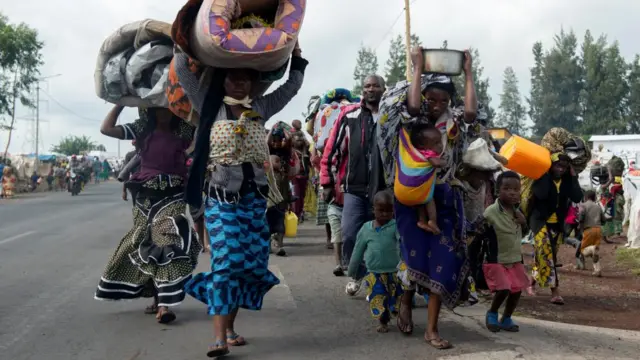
219	33
133	65
331	104
216	34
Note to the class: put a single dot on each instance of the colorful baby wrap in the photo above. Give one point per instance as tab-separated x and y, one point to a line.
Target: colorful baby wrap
415	176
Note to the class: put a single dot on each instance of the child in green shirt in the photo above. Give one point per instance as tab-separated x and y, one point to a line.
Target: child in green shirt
377	244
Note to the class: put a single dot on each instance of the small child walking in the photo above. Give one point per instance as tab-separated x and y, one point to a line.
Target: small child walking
591	220
503	268
276	211
377	244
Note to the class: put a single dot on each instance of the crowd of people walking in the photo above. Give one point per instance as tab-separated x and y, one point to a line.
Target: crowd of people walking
407	184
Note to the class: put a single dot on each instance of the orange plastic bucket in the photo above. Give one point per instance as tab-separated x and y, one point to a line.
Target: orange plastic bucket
526	158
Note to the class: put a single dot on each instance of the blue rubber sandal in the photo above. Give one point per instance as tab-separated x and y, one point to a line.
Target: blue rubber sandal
218	349
233	339
507	324
491	321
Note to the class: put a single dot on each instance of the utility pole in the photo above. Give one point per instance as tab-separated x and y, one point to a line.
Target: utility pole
37	160
407	36
37	122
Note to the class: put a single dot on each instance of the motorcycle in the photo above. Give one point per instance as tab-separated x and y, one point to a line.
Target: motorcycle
75	183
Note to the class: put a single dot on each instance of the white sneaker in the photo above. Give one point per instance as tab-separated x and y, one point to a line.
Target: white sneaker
352	288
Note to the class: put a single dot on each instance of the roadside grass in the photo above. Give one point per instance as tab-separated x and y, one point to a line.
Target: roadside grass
629	258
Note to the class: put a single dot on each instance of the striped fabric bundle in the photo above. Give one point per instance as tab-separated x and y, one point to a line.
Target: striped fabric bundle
415	176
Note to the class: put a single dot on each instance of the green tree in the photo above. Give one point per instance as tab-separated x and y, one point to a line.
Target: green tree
592	62
512	112
74	145
20	60
536	94
558	85
605	88
615	91
396	66
482	84
633	100
366	64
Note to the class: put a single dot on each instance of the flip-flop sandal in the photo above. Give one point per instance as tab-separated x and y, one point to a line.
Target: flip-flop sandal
439	343
507	324
405	328
151	310
166	317
233	339
218	349
557	300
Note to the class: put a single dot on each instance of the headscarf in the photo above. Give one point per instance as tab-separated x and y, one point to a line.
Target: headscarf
442	82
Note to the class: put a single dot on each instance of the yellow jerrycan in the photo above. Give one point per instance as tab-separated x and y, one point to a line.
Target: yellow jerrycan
290	224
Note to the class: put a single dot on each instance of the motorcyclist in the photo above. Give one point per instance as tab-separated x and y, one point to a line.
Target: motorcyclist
74	164
74	167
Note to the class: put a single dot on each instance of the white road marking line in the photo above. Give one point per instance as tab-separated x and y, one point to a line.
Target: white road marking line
281	293
16	237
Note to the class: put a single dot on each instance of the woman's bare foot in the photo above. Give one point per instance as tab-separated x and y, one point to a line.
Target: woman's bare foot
434	339
382	328
404	320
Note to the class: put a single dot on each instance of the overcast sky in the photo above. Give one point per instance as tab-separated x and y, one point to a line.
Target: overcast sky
333	30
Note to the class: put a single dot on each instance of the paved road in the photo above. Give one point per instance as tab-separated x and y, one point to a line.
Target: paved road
53	249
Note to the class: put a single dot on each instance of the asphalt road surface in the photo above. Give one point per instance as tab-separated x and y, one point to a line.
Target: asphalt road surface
54	247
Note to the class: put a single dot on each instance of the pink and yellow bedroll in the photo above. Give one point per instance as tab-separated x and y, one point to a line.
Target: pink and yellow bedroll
215	42
415	176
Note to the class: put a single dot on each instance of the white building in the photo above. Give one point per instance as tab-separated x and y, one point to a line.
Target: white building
616	143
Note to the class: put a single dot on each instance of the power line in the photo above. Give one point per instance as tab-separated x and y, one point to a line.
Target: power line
384	37
67	109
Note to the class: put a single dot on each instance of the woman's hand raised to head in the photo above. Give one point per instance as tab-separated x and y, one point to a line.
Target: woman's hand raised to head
109	127
417	58
468	62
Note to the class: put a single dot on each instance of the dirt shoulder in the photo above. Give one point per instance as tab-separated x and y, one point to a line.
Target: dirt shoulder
610	301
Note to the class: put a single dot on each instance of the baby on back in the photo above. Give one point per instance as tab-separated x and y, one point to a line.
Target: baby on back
427	139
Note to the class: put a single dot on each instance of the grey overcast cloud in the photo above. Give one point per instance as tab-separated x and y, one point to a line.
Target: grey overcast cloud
333	30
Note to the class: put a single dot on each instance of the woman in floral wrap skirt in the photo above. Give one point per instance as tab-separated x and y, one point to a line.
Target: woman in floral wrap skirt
158	255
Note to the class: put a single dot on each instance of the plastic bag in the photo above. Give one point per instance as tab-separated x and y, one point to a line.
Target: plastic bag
147	72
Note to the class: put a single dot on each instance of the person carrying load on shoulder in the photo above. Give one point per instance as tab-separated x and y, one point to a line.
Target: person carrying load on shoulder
230	151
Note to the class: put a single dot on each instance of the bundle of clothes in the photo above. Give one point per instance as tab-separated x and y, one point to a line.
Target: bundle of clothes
133	65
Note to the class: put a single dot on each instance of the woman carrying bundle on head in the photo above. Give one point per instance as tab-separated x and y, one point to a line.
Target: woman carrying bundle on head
157	256
231	152
550	199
